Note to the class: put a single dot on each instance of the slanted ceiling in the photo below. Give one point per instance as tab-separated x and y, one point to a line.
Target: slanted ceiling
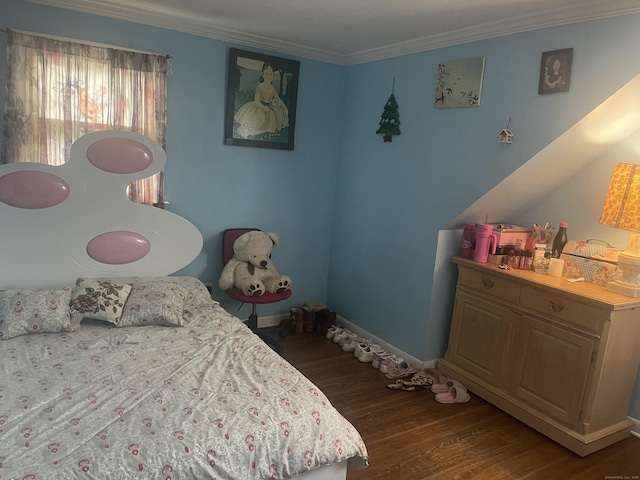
604	127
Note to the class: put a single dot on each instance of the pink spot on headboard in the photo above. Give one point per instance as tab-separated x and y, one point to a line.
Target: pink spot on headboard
119	247
119	155
32	189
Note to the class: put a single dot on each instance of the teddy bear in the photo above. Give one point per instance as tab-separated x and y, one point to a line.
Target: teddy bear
251	269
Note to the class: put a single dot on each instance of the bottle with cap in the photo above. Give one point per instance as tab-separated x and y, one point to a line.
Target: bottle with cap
560	240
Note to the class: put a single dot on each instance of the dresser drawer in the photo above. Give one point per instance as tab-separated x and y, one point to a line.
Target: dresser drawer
566	309
488	283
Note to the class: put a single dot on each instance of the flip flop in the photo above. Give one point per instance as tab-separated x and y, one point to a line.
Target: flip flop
454	395
401	385
444	387
433	374
417	381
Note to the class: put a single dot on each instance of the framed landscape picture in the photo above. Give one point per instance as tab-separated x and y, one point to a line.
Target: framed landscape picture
262	92
555	71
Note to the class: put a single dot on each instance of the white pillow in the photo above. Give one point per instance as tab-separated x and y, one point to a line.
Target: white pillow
29	311
99	300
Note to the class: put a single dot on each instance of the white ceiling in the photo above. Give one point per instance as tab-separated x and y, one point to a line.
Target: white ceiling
347	32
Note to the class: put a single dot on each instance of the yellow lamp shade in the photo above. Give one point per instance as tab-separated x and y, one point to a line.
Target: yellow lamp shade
622	204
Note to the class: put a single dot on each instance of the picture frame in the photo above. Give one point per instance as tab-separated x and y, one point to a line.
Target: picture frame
459	83
555	71
262	93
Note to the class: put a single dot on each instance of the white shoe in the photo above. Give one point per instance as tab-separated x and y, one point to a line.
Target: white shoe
341	335
350	345
390	363
402	369
366	351
378	358
333	329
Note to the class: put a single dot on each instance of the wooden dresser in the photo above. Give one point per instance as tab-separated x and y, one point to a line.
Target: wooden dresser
561	357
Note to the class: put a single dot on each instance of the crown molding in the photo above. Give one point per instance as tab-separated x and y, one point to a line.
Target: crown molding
201	26
170	20
499	28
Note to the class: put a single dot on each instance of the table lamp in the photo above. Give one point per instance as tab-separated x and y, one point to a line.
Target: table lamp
622	210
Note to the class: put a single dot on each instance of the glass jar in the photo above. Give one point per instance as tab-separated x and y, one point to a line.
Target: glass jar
540	258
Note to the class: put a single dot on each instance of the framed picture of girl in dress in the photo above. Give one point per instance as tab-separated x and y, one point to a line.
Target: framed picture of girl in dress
555	71
261	100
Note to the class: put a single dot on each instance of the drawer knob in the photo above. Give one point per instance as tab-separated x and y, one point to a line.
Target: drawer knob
556	306
487	282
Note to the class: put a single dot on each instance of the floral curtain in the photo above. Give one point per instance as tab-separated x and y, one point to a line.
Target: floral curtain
58	91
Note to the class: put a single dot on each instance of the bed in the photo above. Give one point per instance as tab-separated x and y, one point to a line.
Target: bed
113	368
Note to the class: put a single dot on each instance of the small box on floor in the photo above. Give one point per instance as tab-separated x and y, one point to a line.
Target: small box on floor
309	320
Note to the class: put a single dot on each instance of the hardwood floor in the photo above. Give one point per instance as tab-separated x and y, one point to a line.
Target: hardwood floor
409	436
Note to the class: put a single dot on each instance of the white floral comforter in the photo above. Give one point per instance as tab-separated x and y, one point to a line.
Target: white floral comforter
209	400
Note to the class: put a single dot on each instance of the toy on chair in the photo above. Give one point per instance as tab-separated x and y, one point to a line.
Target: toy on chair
250	276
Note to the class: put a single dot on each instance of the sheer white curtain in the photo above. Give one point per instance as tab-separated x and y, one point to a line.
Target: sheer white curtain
59	90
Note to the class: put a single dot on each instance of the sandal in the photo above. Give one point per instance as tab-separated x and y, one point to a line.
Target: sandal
433	374
454	395
418	381
401	385
444	387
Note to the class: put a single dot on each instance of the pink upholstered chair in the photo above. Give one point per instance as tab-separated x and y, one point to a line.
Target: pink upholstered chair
228	238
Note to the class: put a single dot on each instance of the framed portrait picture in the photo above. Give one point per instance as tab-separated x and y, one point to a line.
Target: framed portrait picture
555	71
261	100
459	83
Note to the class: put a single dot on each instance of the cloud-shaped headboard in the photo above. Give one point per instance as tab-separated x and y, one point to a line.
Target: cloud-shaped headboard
75	220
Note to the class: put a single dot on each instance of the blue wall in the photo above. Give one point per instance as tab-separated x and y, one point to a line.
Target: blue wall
358	219
394	198
217	186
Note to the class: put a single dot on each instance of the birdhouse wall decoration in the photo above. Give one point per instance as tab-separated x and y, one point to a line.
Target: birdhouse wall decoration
390	118
506	135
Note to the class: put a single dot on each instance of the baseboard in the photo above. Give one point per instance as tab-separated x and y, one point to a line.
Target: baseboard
361	332
635	429
274	320
271	320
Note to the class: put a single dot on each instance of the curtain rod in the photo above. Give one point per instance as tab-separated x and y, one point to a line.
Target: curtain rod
167	56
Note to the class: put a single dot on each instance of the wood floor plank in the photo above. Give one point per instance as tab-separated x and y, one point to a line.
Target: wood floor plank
410	436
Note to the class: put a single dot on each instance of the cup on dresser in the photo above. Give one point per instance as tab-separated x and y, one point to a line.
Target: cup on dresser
486	242
556	265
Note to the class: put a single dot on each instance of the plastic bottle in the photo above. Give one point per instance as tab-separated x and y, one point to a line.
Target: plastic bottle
519	254
560	240
529	261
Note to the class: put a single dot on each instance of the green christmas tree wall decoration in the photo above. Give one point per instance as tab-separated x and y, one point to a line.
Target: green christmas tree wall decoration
390	118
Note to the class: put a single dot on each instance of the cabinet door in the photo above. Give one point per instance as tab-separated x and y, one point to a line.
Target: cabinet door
479	337
551	368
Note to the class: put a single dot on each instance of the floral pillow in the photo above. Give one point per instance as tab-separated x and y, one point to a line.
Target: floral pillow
99	300
154	301
34	311
197	295
192	291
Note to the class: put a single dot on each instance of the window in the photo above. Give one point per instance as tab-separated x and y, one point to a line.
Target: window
59	90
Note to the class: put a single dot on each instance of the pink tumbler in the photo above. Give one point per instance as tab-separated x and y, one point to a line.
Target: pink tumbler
468	243
485	242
